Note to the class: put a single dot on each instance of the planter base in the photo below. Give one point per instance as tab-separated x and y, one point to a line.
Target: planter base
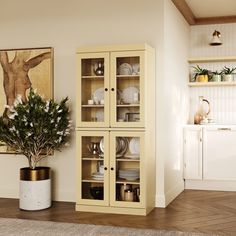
35	189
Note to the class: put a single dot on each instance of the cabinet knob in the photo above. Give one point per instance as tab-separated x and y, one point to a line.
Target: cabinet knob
105	168
112	168
106	89
112	89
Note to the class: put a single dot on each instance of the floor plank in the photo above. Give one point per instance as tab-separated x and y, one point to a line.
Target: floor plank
191	211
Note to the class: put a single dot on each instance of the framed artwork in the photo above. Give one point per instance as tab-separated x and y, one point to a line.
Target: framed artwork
21	69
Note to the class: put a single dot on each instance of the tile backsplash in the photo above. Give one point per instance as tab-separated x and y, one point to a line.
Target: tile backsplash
222	103
222	98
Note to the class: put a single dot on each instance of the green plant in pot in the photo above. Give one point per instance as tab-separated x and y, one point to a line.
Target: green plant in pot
35	129
216	76
200	74
227	74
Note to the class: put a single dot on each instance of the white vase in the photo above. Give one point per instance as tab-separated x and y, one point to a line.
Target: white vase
35	188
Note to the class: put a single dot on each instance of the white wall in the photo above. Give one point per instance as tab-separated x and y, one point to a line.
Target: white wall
68	25
175	98
222	99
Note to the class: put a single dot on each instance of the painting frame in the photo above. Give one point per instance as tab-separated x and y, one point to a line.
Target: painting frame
33	68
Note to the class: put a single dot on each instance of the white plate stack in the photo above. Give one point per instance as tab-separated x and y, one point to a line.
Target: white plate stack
129	174
97	176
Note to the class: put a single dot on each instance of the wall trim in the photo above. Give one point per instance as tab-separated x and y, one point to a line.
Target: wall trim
187	13
172	193
210	185
163	200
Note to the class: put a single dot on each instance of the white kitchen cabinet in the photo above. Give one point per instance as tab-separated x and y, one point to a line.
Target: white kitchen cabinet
193	152
219	153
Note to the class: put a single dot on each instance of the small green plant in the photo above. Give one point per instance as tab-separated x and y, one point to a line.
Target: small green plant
199	71
216	72
228	71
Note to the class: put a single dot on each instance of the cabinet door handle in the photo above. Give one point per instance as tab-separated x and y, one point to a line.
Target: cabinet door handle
112	89
106	89
224	129
112	168
105	168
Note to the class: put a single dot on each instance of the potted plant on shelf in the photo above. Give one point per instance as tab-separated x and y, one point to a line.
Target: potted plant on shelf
201	74
228	74
35	129
216	76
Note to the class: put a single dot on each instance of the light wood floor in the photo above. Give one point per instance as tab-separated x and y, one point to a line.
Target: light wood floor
195	211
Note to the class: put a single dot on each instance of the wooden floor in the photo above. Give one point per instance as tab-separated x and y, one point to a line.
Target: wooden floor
191	211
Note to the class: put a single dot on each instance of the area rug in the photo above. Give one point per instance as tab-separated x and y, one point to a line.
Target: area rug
18	227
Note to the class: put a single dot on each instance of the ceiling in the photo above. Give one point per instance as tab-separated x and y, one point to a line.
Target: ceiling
207	11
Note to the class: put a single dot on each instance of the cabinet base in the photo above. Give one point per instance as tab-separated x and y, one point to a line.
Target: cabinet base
113	210
210	185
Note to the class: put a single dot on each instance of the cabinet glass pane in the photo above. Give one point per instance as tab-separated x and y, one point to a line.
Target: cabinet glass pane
128	89
92	168
92	90
128	169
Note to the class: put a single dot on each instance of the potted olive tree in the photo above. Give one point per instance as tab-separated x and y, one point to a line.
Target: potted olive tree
35	129
228	73
201	74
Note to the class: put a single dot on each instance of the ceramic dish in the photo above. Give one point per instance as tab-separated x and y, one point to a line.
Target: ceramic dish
99	94
134	146
128	94
100	115
125	69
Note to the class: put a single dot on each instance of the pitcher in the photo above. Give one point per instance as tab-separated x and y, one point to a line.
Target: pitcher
201	112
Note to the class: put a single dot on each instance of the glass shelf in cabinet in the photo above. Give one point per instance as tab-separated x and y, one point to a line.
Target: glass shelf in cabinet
124	181
92	77
127	159
127	76
91	180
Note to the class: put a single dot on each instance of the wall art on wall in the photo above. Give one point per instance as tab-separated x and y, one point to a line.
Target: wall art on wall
21	69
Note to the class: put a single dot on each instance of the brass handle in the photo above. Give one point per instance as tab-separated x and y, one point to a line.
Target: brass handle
225	129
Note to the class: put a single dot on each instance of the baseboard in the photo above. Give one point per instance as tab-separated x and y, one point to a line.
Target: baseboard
9	193
160	201
210	185
163	200
174	192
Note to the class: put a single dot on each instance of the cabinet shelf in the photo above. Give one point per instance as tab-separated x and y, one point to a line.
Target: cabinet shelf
209	84
92	77
127	76
211	59
124	181
92	159
90	180
129	105
93	106
127	159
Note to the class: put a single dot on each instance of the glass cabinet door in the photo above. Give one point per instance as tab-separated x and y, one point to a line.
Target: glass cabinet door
126	169
93	176
93	84
127	89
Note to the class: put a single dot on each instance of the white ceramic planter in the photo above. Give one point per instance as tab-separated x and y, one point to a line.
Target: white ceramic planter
228	78
216	78
35	189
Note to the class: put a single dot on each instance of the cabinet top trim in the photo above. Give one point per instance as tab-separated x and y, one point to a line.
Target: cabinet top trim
115	48
211	59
